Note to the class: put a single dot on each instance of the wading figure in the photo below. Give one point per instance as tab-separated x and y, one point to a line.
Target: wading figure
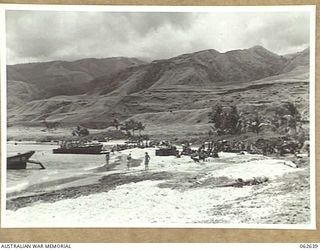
146	161
129	161
107	159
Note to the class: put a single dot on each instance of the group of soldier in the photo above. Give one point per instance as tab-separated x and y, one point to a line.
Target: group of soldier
129	160
211	149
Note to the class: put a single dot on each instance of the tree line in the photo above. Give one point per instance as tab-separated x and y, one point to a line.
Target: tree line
230	121
130	126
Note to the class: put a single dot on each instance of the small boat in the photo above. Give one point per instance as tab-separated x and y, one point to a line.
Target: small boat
167	151
19	161
79	148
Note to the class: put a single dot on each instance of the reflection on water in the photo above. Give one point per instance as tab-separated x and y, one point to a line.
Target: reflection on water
59	167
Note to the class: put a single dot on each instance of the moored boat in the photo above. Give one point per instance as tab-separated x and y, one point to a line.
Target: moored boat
79	148
19	161
166	151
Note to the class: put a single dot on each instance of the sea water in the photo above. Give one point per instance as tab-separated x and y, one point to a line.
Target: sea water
60	169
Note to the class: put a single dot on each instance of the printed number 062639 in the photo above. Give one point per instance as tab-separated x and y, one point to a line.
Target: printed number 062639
310	245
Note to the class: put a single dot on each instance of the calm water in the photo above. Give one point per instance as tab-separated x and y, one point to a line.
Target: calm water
60	168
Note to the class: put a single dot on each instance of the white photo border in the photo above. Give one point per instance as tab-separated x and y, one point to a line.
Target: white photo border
139	8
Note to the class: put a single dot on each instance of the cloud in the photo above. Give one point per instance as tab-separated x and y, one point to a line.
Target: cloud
57	35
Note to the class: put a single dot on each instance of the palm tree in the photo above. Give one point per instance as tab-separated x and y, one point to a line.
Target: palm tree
215	116
130	125
127	126
80	131
140	127
256	124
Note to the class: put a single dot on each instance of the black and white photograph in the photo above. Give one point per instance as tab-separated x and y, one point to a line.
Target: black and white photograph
140	116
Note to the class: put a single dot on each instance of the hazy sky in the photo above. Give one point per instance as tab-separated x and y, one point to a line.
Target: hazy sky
50	35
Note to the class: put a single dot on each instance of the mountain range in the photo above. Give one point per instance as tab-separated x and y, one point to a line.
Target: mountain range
94	91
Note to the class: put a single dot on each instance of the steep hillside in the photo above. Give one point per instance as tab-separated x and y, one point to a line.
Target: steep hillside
173	94
199	70
300	59
66	78
19	93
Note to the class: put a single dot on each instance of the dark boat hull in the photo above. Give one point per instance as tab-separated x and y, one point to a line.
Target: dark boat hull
79	150
166	151
19	161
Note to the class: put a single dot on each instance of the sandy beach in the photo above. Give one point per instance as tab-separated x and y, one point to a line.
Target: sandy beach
173	191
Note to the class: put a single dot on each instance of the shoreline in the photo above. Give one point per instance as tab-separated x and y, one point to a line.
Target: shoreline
275	202
191	192
105	184
92	177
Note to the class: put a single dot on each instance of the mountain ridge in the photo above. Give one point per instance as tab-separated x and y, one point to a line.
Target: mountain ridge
189	81
63	77
203	68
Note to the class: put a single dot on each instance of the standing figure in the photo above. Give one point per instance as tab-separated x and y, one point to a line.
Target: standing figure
107	158
129	161
146	161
